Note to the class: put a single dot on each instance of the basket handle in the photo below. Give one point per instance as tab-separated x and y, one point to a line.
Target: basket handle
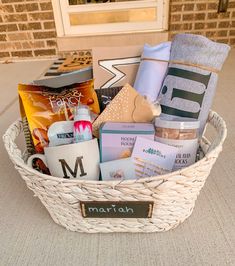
220	126
9	137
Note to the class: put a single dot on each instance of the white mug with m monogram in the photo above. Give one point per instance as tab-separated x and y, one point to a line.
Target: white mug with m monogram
78	160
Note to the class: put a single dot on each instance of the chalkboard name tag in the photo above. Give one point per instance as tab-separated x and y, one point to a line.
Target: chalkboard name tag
116	209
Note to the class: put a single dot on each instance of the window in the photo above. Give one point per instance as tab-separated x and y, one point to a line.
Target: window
97	17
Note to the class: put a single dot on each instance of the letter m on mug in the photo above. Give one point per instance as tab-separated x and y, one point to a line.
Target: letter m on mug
66	168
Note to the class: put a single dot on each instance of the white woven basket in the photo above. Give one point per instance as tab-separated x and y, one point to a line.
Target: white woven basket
174	194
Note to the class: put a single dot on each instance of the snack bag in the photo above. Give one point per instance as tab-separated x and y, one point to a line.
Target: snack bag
28	138
44	106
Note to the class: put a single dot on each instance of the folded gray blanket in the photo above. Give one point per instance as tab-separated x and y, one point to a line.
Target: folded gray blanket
189	86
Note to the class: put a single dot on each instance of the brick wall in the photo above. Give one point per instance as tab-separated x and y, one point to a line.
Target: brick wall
201	17
27	29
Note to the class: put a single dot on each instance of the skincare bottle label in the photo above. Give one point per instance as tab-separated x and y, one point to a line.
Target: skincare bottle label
82	131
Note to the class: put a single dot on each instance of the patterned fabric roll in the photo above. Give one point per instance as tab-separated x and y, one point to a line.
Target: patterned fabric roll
152	70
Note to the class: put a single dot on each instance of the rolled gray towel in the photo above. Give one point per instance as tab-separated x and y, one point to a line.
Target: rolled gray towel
189	86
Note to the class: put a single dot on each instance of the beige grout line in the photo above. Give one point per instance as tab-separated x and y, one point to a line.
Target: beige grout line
8	106
32	59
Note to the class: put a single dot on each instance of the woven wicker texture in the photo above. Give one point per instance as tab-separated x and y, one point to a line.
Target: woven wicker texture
174	194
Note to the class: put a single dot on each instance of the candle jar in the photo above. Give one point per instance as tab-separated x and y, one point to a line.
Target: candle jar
181	134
